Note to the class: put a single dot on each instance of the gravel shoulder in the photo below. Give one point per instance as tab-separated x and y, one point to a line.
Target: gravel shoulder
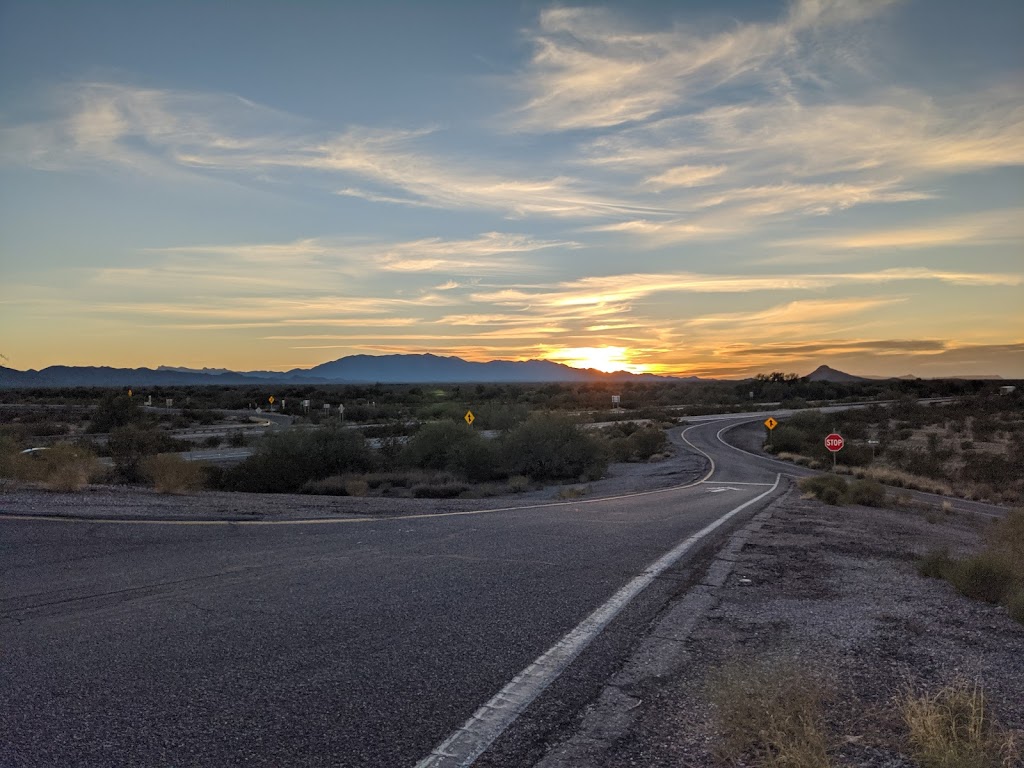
124	502
830	589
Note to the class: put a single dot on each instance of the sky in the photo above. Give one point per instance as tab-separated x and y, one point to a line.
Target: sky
714	188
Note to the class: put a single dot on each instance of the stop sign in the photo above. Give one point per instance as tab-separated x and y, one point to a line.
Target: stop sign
834	442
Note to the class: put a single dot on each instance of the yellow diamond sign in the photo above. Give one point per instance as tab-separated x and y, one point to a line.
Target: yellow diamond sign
771	423
469	417
271	399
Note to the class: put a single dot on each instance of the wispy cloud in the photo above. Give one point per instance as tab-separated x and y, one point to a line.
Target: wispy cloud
173	133
589	70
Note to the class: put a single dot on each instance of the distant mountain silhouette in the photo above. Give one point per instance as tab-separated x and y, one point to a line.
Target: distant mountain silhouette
357	369
824	373
427	368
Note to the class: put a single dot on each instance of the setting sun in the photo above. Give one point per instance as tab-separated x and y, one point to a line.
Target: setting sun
607	359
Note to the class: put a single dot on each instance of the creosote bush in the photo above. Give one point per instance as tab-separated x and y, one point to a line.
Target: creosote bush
169	473
833	489
994	575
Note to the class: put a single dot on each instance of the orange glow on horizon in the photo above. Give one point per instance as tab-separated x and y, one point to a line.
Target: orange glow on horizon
606	359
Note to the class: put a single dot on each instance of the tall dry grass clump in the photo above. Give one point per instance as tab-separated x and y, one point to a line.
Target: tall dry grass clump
169	473
952	728
772	714
63	467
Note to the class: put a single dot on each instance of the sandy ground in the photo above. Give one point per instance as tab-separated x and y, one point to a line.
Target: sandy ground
833	590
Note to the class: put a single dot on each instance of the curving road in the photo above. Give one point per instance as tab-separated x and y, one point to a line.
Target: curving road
350	642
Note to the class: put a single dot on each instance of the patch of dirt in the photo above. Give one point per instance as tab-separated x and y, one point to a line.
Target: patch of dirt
835	590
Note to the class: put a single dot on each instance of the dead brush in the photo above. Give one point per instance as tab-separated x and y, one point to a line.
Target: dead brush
952	728
771	714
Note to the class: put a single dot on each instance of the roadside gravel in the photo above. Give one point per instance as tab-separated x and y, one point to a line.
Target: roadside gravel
833	590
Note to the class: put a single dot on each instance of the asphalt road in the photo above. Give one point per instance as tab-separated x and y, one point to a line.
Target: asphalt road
342	644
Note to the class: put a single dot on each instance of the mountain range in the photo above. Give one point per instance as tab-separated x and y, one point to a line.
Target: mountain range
363	369
356	369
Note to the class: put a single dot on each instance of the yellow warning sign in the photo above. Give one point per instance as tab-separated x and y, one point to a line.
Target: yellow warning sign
469	417
771	423
130	393
270	399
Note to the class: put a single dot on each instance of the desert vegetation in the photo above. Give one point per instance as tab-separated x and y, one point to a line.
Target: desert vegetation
442	459
774	714
995	574
972	447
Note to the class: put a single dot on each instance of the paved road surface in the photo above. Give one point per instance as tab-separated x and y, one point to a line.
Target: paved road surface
344	644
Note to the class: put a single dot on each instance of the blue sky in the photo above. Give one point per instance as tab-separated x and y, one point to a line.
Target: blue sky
715	188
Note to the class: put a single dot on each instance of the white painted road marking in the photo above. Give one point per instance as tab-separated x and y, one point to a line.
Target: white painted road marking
463	747
722	489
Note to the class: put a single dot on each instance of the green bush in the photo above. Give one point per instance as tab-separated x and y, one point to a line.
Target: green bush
869	493
830	489
285	461
550	447
988	576
936	564
130	444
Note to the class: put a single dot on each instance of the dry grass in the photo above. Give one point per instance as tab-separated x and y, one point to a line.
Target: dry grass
169	473
952	728
995	575
64	467
771	714
573	492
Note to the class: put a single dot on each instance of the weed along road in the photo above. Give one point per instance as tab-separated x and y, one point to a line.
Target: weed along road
350	642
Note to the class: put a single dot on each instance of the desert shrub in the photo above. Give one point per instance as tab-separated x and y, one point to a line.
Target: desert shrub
986	576
772	713
114	411
553	447
169	473
952	728
442	445
129	445
787	439
573	492
518	484
996	574
68	467
449	489
334	485
285	461
991	469
935	564
830	489
867	492
648	441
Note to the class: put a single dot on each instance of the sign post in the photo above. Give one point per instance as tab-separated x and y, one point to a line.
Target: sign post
470	418
834	442
771	424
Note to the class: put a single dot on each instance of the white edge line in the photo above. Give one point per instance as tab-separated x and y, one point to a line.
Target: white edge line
349	520
467	743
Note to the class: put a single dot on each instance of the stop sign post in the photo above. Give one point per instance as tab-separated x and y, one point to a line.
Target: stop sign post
834	443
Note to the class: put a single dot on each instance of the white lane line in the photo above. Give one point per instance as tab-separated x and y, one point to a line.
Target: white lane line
713	482
466	744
